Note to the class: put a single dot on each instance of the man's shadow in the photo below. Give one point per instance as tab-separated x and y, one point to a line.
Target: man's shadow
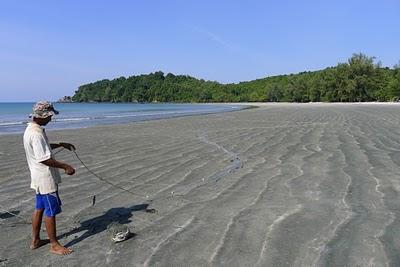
99	224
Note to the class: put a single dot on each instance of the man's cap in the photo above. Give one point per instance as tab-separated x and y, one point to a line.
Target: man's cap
43	109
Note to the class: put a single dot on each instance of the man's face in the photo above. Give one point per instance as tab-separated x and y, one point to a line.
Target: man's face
43	121
47	120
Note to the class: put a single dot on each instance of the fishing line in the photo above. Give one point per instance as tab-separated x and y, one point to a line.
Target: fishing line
24	221
214	178
106	181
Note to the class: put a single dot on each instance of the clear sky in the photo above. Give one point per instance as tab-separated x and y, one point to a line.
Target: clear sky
49	48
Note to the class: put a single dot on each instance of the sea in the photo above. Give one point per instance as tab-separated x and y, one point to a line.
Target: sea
14	116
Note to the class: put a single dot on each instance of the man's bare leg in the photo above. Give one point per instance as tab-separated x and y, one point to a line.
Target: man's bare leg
36	225
56	247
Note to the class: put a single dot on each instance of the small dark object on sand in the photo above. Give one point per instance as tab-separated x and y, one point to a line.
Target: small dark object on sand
151	210
94	200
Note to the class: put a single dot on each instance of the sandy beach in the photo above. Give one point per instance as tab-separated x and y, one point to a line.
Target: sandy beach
278	185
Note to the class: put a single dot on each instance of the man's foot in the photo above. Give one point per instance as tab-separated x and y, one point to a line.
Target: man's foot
60	250
38	243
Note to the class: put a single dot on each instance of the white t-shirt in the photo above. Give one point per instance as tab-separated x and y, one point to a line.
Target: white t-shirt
44	179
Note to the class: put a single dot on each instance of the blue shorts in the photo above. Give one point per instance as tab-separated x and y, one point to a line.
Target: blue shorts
50	203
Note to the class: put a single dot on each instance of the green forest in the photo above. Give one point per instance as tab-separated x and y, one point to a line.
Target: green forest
360	79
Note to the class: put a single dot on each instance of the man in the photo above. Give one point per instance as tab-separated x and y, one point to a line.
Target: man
45	176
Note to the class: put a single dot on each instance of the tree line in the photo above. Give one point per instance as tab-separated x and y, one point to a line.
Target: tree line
361	78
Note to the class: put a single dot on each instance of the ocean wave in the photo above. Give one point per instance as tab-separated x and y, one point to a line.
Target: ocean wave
12	123
121	116
155	113
72	119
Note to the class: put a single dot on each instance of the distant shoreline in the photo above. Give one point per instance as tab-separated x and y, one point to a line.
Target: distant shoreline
14	116
261	104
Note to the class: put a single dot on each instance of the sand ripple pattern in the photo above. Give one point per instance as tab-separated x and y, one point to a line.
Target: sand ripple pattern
280	185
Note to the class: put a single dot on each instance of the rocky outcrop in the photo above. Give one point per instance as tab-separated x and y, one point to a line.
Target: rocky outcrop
65	99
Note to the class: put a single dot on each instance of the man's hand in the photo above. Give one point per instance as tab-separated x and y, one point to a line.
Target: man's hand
69	170
68	146
58	164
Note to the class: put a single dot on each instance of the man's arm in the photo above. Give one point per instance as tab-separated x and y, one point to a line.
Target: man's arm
54	146
58	164
64	145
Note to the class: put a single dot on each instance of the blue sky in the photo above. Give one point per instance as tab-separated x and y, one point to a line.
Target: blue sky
49	48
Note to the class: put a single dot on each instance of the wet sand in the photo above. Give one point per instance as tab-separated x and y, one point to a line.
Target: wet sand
280	185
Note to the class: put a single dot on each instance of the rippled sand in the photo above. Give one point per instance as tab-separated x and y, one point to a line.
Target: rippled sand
280	185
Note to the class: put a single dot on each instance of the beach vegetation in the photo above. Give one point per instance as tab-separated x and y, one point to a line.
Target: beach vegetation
361	78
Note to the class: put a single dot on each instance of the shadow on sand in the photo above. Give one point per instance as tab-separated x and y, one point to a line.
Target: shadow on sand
99	224
6	215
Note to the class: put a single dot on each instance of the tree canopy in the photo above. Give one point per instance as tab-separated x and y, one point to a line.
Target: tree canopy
361	78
